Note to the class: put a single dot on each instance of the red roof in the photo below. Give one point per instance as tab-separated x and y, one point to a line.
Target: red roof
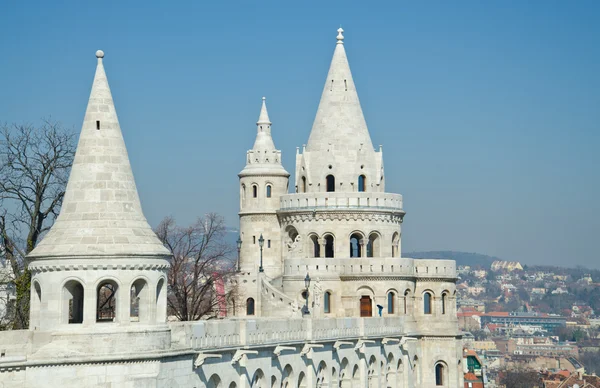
470	377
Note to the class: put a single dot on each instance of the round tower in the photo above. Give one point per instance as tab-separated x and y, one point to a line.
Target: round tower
262	182
100	268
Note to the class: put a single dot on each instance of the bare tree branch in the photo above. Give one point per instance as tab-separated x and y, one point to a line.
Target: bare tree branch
34	167
200	268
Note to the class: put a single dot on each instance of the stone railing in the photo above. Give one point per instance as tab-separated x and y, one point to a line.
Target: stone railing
333	201
370	267
280	305
235	333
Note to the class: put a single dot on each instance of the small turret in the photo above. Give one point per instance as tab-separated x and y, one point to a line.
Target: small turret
262	181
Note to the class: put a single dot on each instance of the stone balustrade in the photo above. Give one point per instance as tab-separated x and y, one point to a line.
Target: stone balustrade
348	267
343	201
235	333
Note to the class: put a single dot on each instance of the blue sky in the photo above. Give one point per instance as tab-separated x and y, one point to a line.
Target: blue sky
488	112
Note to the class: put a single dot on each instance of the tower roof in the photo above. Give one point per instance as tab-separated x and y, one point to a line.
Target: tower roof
101	214
339	121
264	141
263	158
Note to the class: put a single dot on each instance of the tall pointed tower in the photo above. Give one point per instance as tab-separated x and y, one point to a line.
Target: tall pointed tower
339	155
262	182
100	267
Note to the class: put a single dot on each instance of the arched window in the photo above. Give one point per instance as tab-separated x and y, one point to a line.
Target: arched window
106	301
439	374
427	303
254	191
444	303
214	382
36	305
329	247
395	244
243	194
327	302
355	247
161	302
330	183
268	191
373	245
303	184
73	302
362	183
316	246
139	303
390	302
250	306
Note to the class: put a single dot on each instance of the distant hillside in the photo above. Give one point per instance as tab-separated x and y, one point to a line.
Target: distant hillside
462	258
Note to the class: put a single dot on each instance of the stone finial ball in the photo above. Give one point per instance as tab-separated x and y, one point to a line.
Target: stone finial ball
99	54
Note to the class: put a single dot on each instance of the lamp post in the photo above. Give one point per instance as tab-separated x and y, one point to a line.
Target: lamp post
239	248
305	310
261	242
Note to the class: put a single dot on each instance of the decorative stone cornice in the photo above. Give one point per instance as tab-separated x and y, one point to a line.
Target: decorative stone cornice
42	267
366	214
366	277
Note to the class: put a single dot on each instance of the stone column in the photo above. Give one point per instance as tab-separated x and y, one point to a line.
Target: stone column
363	247
322	243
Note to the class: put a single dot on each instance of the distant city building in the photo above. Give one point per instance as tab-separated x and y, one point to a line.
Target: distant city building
500	265
545	321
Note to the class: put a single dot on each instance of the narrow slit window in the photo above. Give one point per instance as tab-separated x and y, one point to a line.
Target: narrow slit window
98	124
331	89
268	243
346	85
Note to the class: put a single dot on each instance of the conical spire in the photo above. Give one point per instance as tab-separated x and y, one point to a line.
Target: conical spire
101	212
263	158
339	122
264	141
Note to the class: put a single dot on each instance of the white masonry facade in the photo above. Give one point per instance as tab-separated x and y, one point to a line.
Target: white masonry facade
324	297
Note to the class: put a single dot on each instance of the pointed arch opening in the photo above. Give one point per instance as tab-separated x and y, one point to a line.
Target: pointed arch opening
214	382
330	181
303	185
258	380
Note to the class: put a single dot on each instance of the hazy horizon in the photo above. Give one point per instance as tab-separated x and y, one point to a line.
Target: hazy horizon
488	113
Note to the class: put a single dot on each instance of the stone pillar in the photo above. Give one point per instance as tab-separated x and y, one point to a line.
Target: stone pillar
363	247
322	244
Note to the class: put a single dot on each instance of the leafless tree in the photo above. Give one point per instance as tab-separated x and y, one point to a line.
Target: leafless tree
34	167
199	280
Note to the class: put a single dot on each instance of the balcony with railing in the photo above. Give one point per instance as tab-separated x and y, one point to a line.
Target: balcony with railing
361	267
342	201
